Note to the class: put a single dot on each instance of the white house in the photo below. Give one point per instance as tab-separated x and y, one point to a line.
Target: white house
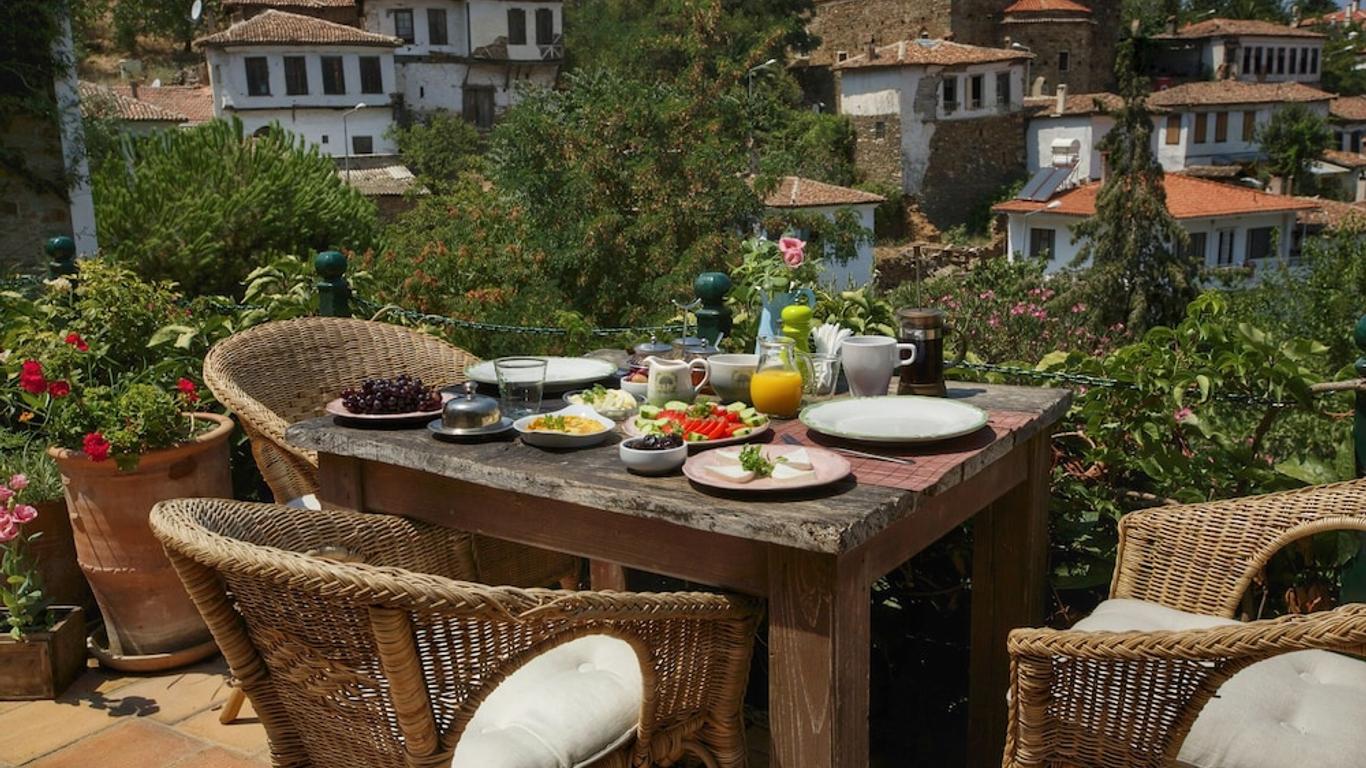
1215	122
1066	129
797	194
1242	49
1229	225
1348	116
326	82
468	56
1347	170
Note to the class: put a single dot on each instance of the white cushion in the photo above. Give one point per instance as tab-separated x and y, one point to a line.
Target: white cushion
1306	708
309	501
562	709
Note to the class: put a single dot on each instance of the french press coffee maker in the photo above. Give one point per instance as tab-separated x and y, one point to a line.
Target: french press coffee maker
924	374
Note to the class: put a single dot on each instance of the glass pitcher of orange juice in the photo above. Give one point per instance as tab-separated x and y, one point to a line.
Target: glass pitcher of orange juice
776	388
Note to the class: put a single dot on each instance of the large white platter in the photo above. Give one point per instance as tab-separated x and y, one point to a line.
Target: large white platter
561	373
894	419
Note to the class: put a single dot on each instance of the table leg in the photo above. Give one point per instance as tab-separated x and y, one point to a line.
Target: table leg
819	647
605	575
1009	575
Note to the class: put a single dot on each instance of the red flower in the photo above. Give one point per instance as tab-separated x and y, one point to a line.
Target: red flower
58	389
95	447
31	378
75	340
188	390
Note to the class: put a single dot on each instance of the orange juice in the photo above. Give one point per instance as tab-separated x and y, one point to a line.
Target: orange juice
776	392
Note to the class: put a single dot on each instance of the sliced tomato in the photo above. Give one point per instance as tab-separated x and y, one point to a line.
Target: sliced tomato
713	428
731	416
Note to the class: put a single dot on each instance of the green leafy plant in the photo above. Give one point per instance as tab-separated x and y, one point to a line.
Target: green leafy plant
1292	140
20	587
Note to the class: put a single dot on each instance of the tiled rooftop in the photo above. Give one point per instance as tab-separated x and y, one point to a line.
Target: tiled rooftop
195	102
277	27
290	3
1337	17
931	53
101	101
1073	104
1211	92
378	176
1240	27
1345	159
1187	198
1350	108
1047	6
796	192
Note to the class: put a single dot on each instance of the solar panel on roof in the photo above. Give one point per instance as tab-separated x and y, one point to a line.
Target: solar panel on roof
1044	183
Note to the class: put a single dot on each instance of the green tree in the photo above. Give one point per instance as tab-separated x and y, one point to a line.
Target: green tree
1292	140
203	206
1266	10
168	19
1340	72
440	148
1138	275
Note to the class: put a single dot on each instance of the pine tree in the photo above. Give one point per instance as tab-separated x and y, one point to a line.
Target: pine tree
1292	140
1139	275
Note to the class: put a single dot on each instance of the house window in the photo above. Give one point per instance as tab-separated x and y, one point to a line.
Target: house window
1249	126
545	26
258	76
1041	241
950	94
403	25
1257	61
436	26
1173	130
516	26
1195	247
1064	60
976	89
334	75
1280	61
1304	61
1221	127
1003	89
1338	138
362	145
296	75
1356	142
1201	120
324	138
1259	241
1314	61
880	130
1224	255
841	55
371	78
1292	51
478	106
1247	60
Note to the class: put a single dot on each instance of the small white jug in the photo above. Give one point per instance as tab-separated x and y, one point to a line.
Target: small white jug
672	379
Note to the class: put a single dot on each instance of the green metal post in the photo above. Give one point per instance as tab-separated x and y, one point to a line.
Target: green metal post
61	256
713	317
334	294
1359	427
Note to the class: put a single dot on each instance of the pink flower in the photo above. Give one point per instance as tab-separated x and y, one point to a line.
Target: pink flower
18	482
987	295
793	251
5	495
1182	414
1017	310
1039	314
1078	308
9	529
23	513
994	321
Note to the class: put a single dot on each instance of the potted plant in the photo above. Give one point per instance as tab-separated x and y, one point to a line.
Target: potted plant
775	275
43	649
53	551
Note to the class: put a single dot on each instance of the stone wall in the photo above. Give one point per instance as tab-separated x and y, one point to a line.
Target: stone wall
877	154
970	160
29	216
846	25
1047	38
920	261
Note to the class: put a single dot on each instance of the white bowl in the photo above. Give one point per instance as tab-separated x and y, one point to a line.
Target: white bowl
559	439
637	388
652	462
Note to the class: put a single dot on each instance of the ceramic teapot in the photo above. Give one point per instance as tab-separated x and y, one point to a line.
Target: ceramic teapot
671	379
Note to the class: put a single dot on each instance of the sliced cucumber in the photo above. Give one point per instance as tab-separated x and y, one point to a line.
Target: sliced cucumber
742	432
650	411
693	437
675	405
737	407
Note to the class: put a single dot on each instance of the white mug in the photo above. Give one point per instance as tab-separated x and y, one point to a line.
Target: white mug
730	375
869	362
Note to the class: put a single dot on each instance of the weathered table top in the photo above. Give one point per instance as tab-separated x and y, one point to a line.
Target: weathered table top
832	520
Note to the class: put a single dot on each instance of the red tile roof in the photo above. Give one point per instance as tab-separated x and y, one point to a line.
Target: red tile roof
102	101
277	27
1349	108
1345	159
1238	27
931	53
1074	104
1235	92
796	192
291	3
195	102
1338	17
1046	6
1187	198
1333	215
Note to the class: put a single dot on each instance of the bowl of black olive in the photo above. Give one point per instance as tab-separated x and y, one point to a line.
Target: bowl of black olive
653	454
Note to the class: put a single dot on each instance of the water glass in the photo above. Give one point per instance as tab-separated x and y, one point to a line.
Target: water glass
521	383
825	374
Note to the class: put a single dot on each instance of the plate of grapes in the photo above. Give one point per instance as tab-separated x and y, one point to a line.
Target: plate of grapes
396	401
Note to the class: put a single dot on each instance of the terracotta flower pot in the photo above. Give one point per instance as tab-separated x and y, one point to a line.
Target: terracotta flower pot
54	553
146	610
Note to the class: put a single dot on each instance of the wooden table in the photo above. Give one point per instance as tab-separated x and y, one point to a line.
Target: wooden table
813	557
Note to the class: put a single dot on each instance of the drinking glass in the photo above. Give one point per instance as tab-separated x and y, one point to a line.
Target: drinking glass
825	373
521	383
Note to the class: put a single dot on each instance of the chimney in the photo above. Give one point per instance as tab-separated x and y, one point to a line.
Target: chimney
1061	105
1171	25
901	51
1352	8
872	48
133	88
1295	15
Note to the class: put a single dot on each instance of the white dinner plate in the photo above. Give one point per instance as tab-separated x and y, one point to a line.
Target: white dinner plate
894	419
561	373
562	439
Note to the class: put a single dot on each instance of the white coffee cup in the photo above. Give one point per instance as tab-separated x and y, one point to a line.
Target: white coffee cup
730	375
869	362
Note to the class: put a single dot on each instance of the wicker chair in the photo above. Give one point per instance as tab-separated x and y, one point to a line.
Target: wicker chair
360	647
278	373
1141	682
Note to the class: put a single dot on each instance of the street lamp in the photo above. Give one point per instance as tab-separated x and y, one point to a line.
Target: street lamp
749	76
346	140
1051	205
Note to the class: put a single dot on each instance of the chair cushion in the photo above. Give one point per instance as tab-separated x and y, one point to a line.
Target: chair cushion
1304	708
562	709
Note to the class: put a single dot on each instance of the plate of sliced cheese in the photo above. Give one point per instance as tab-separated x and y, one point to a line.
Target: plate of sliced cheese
766	468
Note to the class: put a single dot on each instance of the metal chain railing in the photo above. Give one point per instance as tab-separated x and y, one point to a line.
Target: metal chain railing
373	309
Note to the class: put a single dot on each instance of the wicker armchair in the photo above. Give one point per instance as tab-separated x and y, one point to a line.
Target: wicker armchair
282	372
360	646
1107	699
